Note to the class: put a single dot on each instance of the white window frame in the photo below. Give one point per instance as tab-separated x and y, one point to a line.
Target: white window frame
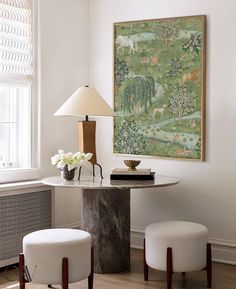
19	174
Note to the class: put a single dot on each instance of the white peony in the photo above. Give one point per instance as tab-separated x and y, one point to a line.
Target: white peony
72	160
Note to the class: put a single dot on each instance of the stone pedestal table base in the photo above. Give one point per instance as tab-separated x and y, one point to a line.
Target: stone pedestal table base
105	213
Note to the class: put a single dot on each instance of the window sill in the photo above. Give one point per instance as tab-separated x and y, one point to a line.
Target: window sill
18	175
21	185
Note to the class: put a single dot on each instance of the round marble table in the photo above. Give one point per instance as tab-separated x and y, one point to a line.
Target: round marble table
105	213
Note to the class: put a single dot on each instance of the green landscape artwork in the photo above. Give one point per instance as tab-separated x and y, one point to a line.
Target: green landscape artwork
159	87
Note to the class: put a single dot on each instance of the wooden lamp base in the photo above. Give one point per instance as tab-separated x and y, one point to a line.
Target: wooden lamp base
87	142
87	138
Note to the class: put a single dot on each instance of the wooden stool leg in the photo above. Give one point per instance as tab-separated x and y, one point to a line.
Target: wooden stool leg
90	277
209	266
21	271
169	268
145	265
65	273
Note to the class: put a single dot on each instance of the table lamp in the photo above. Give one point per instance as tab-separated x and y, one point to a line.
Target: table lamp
86	101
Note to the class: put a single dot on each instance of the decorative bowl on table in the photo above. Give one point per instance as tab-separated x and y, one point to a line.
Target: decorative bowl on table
132	164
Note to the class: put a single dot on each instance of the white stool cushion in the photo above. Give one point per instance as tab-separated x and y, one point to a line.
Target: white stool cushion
45	249
187	240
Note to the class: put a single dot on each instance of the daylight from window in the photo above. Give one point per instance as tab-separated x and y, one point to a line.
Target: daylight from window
16	73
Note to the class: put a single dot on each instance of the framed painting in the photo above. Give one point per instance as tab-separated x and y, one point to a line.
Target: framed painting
159	87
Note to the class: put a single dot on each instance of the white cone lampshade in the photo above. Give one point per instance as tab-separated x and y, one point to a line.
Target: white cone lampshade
85	101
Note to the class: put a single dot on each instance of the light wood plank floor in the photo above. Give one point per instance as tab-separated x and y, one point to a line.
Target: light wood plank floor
224	277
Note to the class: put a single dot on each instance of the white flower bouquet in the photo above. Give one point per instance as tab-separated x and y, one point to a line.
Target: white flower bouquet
71	160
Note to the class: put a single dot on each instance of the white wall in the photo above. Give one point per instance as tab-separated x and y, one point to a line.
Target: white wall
207	190
64	67
207	193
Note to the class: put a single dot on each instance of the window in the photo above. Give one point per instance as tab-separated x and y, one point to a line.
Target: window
15	127
16	83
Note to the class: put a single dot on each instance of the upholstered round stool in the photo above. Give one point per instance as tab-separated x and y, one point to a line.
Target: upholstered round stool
56	256
177	246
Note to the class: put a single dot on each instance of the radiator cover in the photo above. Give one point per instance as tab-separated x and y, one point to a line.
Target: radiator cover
19	215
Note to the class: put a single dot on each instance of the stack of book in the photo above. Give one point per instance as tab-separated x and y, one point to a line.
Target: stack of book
125	174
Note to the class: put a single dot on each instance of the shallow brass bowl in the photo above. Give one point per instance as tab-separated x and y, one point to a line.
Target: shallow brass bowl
132	164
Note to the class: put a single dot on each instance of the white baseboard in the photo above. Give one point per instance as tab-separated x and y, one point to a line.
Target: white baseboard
223	251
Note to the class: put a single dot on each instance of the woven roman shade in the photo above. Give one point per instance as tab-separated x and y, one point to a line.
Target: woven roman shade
16	51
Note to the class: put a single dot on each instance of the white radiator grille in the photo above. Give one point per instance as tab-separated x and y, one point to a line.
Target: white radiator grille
19	215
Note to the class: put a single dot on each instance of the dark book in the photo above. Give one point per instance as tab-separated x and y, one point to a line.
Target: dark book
140	177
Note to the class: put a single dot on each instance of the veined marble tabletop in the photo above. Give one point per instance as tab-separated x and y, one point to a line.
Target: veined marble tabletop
98	183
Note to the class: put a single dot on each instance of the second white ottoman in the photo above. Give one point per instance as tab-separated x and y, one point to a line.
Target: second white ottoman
45	251
177	246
